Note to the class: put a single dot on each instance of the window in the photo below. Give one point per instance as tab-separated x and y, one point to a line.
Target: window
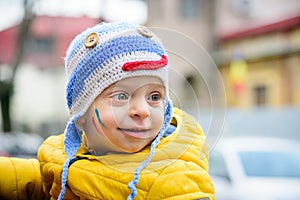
242	8
41	45
190	8
192	86
191	80
217	165
280	164
260	95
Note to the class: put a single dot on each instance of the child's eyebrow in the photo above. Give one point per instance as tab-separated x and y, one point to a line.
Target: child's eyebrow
125	85
159	86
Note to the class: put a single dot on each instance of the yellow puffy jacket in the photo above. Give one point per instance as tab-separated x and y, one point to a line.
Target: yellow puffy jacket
20	179
178	169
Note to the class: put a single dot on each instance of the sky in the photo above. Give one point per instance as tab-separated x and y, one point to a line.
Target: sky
134	11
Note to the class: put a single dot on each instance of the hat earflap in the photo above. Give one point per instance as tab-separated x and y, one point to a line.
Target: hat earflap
72	143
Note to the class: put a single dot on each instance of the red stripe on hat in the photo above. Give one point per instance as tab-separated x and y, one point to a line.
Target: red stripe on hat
148	65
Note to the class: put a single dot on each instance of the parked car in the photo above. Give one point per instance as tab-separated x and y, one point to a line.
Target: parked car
256	168
19	144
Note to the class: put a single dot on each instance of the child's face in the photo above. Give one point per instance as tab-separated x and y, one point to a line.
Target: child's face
126	116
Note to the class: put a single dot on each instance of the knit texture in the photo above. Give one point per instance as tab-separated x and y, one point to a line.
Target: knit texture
99	57
92	70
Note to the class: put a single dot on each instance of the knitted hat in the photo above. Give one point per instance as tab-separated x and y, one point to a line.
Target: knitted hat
101	56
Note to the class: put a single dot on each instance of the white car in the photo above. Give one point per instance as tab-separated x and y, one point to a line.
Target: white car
257	168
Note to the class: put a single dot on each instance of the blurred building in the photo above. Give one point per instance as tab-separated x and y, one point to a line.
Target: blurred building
195	20
255	44
48	40
38	103
259	52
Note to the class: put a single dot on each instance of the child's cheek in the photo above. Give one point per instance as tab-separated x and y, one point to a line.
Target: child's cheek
108	118
97	119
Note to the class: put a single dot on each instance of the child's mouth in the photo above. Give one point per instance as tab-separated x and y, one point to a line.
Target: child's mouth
137	133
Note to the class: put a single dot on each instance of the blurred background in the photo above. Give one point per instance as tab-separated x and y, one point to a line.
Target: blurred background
255	45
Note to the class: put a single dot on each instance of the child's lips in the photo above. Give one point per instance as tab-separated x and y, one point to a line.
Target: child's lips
137	133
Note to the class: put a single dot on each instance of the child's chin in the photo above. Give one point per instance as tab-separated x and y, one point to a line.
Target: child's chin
133	150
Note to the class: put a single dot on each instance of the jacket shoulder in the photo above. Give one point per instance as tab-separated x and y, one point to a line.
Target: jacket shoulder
182	180
187	147
52	150
186	122
187	142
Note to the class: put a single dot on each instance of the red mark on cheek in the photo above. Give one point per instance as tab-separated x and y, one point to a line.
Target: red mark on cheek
93	121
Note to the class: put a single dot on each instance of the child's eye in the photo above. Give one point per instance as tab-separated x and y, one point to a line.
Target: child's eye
120	97
154	97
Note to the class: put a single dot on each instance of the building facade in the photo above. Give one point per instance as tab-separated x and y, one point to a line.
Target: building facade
194	20
271	54
254	43
38	100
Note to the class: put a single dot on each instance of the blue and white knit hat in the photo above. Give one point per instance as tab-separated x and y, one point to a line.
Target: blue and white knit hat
101	56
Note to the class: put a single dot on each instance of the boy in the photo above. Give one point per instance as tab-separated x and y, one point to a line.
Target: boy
123	140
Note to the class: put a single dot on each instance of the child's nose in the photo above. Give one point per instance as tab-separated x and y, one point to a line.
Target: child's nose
139	108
